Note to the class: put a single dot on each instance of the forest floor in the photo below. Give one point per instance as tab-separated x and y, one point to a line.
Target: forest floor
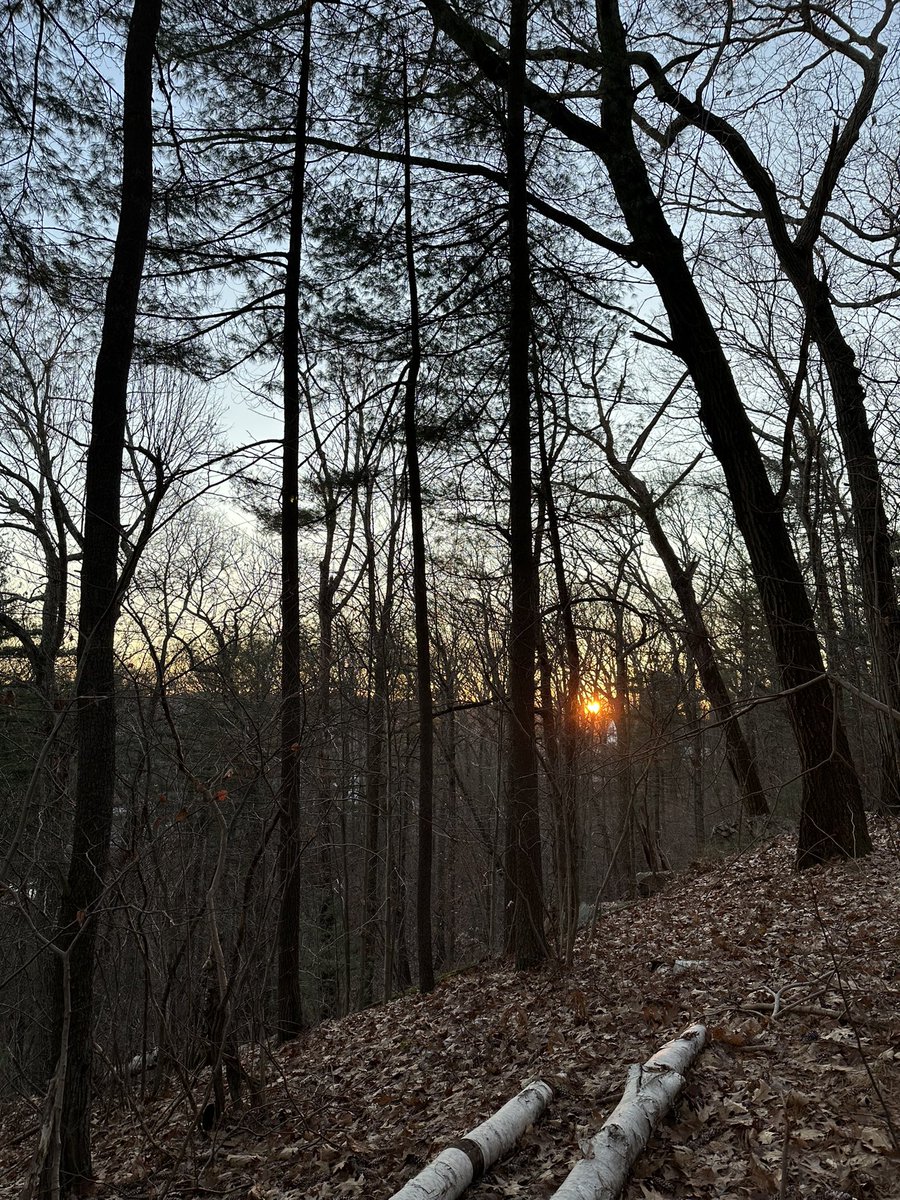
805	1103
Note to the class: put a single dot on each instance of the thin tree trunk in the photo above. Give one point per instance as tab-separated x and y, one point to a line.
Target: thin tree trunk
452	835
95	686
424	947
402	971
813	472
624	834
524	875
698	806
567	826
326	915
387	966
374	799
375	746
696	636
290	1009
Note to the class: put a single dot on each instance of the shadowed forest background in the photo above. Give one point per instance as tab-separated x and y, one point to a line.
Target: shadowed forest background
448	481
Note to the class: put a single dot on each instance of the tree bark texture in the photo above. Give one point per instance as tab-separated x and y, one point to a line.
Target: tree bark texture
448	1176
95	685
649	1094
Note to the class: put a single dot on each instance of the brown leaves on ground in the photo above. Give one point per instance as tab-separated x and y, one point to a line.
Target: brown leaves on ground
797	1095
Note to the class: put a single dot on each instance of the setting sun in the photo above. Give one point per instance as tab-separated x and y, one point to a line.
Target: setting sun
594	706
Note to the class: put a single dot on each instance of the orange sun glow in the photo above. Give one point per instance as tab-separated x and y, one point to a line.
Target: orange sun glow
595	706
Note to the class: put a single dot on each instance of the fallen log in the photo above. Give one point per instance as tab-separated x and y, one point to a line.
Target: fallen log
649	1093
465	1161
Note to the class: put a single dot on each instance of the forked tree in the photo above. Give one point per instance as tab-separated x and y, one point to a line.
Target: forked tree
832	821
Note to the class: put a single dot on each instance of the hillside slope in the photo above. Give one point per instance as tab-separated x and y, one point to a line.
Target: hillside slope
358	1105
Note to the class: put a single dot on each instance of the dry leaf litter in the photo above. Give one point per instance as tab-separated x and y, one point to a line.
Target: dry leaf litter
797	1095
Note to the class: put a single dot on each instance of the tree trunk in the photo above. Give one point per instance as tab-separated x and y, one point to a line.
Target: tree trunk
832	822
424	947
524	876
565	801
376	719
327	915
448	1176
95	685
873	535
814	476
696	636
649	1094
452	835
698	807
623	865
290	1009
796	254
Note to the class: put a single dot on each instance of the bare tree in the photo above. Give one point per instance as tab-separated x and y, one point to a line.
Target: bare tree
833	820
796	243
696	634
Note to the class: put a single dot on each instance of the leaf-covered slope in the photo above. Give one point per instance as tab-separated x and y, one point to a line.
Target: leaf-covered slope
358	1105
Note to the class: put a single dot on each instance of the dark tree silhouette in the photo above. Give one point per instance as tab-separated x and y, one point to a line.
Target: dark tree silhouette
424	947
524	880
95	688
290	1010
832	819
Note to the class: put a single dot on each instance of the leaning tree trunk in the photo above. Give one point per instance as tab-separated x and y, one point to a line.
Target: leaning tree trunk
290	1009
696	636
832	821
95	684
794	246
524	878
873	534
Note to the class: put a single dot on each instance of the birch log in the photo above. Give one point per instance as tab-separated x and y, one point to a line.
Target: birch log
465	1161
648	1096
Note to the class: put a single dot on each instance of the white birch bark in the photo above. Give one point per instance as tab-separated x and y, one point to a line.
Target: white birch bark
649	1094
448	1176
